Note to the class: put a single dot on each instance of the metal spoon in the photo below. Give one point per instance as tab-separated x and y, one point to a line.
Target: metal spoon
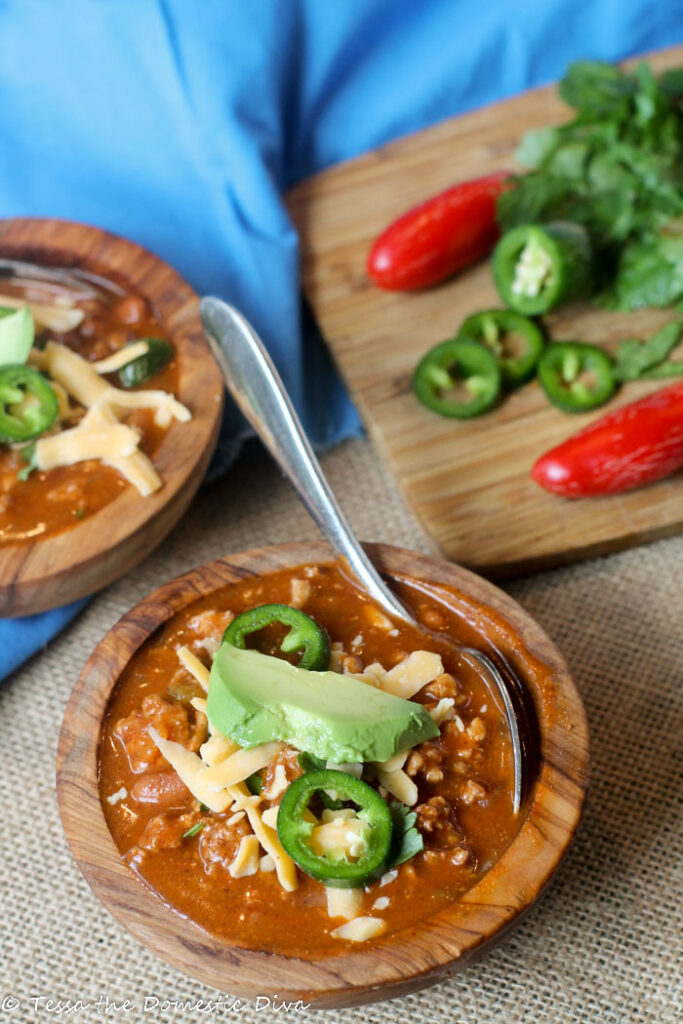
256	387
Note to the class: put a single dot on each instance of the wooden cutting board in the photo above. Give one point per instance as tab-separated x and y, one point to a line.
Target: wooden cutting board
468	482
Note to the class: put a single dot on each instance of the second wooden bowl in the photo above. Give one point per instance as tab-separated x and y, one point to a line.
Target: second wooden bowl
42	574
407	960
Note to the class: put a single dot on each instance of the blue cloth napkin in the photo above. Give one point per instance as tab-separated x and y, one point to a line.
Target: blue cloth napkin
180	124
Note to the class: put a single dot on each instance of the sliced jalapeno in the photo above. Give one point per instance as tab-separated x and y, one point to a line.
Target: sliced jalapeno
158	355
458	378
304	634
537	267
311	763
575	376
300	839
28	405
515	340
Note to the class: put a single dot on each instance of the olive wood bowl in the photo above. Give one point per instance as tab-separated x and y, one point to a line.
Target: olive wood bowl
403	961
42	574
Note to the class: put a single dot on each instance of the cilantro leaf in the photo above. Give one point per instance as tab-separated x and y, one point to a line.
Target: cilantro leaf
536	146
28	455
634	358
664	371
406	841
597	89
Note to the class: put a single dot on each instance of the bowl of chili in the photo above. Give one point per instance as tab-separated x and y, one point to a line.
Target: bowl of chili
432	882
110	404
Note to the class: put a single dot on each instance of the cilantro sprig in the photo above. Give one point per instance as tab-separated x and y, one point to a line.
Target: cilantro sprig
407	841
616	168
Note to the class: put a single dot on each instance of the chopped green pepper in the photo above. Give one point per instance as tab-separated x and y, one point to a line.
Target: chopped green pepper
295	831
537	267
576	377
458	378
515	340
255	783
28	405
158	355
195	830
304	633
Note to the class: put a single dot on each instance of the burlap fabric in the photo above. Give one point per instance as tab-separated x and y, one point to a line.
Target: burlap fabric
603	945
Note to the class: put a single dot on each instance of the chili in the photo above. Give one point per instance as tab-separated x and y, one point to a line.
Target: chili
304	633
295	830
629	447
28	405
495	329
575	376
537	267
440	237
458	378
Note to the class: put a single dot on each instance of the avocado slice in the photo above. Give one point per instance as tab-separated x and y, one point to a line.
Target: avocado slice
254	698
16	334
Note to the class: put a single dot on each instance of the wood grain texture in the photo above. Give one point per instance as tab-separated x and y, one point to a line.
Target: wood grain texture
85	558
405	961
468	481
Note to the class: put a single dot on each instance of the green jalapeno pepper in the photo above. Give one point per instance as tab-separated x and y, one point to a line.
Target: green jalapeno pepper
537	267
28	405
304	634
458	378
576	377
515	340
158	355
295	831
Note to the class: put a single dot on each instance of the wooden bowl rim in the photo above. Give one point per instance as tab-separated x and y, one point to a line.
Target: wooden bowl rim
200	386
407	960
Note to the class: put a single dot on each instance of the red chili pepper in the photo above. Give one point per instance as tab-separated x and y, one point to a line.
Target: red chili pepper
626	448
443	235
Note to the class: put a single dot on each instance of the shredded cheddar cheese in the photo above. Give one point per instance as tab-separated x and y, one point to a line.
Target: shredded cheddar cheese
121	358
345	903
239	766
360	929
189	768
269	840
194	666
246	860
411	674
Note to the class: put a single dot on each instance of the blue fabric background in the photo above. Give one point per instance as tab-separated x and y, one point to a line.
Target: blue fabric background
179	124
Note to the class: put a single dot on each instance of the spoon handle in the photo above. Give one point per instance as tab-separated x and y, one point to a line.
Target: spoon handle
256	387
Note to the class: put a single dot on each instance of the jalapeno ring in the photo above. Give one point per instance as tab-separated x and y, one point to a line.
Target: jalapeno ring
304	634
455	362
28	405
295	831
575	376
495	329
